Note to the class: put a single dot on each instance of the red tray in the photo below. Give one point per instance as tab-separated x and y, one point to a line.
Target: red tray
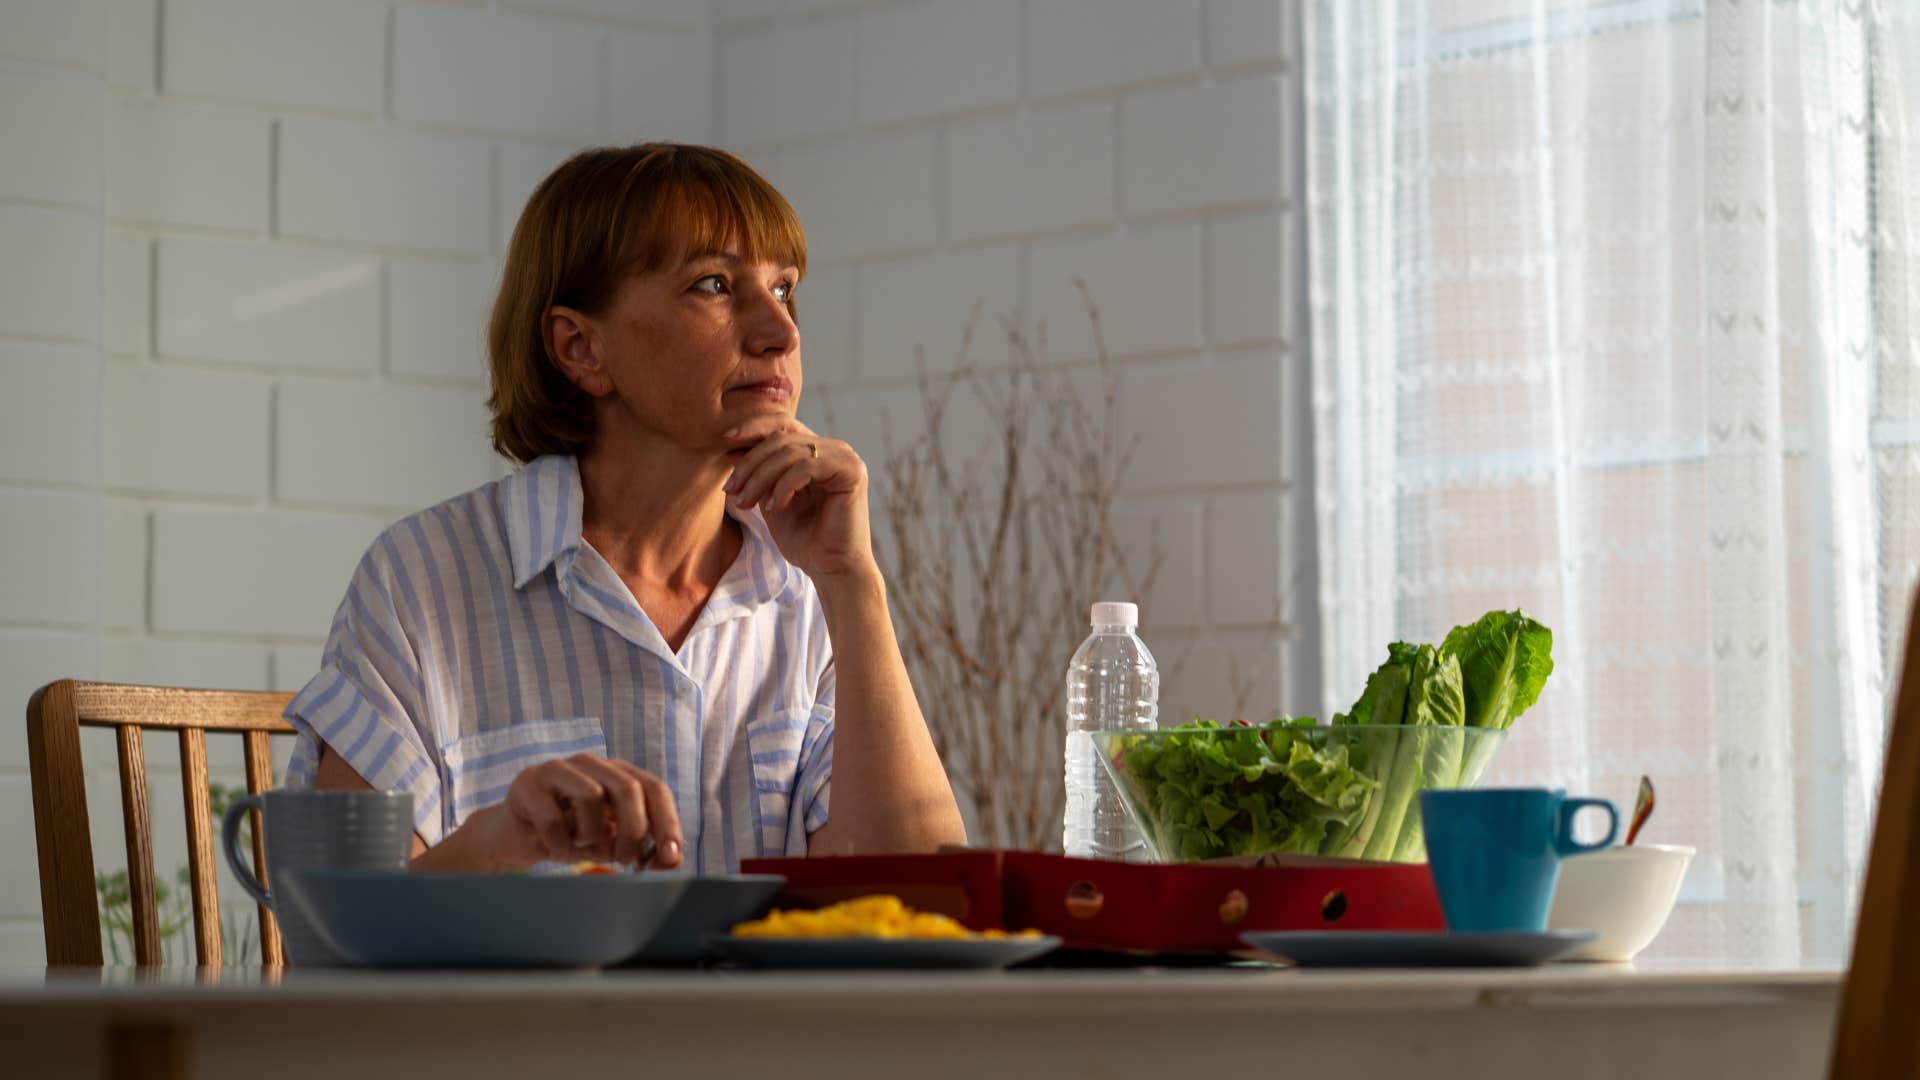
1095	904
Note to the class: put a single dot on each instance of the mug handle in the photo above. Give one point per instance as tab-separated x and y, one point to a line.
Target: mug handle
1563	841
229	842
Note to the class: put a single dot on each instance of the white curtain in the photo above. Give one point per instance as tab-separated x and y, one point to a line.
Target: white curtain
1610	321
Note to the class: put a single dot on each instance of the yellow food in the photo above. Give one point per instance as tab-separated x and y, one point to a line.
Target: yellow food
865	916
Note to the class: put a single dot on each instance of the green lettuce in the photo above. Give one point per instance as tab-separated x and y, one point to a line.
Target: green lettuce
1505	659
1291	786
1217	791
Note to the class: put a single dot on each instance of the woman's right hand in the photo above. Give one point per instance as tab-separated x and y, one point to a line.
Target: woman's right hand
581	807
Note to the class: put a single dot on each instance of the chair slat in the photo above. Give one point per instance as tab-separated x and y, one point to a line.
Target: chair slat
104	704
200	865
259	779
69	908
135	810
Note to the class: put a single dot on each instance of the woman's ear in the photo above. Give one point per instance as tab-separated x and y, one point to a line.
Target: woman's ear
575	347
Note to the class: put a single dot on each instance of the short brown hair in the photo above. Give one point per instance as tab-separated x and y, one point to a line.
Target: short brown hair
602	215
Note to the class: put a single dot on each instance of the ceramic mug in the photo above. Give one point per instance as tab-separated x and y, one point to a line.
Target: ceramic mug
1495	852
370	830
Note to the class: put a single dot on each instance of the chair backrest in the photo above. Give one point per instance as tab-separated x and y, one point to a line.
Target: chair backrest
1876	1037
68	906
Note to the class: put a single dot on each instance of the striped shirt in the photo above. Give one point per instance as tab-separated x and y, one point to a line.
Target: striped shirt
485	635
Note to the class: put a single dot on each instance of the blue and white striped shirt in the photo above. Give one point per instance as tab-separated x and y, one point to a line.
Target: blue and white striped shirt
484	635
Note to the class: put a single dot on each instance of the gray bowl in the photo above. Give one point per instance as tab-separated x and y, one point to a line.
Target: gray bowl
385	918
712	905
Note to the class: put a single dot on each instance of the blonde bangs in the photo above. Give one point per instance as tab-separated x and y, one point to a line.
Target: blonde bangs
709	207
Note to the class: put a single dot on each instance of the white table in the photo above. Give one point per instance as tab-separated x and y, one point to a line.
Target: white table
1560	1022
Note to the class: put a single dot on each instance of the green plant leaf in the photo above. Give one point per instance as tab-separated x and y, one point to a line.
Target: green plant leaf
1505	658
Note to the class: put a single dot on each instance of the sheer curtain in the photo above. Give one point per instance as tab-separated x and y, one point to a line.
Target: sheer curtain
1610	321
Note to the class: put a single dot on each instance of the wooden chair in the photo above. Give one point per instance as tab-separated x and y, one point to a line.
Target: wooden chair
69	910
1876	1037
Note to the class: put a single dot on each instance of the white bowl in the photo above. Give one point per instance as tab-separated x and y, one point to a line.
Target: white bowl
1623	893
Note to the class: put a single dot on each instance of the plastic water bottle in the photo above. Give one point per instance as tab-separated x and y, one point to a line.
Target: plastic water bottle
1111	684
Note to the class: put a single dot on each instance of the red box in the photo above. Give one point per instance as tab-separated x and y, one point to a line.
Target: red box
1147	907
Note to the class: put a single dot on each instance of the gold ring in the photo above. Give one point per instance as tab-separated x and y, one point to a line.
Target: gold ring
815	447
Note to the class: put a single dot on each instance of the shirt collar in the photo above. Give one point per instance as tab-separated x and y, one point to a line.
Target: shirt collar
543	503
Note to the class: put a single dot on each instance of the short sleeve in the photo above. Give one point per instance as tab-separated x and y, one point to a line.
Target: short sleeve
366	704
814	783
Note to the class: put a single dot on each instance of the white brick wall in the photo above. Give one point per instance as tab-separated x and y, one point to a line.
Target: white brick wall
277	52
54	293
657	86
50	414
133	34
170	432
60	113
252	574
188	165
362	444
1243	33
788	82
491	72
1078	45
264	237
267	305
128	313
1047	169
437	317
826	323
1145	283
993	153
864	197
56	32
896	315
52	540
1201	147
920	60
382	186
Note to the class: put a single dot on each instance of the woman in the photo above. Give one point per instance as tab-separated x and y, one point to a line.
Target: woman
664	639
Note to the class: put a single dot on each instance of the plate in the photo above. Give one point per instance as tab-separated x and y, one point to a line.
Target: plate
1430	948
883	952
384	918
712	905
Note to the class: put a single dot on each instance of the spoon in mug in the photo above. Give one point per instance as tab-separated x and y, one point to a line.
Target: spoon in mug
1642	807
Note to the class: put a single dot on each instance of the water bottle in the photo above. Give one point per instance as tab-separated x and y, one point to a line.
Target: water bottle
1111	684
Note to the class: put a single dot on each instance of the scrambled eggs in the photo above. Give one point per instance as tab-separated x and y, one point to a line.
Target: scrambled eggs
588	867
865	916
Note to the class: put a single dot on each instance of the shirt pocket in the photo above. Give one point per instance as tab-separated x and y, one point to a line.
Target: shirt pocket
773	745
481	766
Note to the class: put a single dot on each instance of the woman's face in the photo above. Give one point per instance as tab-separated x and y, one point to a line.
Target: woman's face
694	350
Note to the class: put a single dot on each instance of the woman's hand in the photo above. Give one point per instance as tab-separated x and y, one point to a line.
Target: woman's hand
582	807
812	492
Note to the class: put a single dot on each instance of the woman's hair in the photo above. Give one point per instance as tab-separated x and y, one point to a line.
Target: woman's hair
603	215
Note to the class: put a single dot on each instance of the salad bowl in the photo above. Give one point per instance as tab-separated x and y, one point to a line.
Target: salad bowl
1431	717
1348	790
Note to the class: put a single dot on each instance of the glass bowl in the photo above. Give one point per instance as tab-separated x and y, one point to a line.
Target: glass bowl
1205	791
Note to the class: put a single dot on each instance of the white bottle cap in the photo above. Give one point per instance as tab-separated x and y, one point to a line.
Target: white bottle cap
1115	613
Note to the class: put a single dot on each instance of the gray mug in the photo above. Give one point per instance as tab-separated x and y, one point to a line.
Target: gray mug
361	830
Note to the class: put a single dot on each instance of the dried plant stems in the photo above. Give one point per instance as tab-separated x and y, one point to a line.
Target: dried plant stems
993	558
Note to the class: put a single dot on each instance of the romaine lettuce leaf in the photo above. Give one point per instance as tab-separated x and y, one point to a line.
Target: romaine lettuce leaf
1505	659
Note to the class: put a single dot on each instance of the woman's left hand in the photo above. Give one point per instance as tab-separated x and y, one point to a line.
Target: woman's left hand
812	492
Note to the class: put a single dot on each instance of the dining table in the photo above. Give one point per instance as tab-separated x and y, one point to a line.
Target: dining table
1219	1022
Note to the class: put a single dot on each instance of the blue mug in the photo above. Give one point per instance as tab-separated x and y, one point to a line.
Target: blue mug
1495	852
